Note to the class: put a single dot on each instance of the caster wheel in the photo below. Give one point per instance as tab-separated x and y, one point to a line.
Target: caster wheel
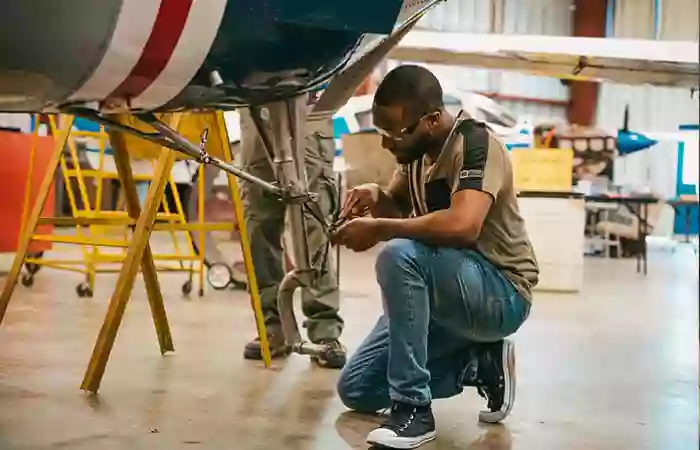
33	268
219	276
83	290
187	287
27	280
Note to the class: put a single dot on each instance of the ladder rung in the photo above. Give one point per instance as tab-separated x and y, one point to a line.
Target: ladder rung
208	226
89	173
161	225
121	215
84	221
156	257
79	240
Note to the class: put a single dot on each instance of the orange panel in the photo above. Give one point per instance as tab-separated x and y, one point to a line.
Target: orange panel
14	167
367	87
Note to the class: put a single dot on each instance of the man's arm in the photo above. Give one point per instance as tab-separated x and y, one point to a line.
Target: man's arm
457	226
480	179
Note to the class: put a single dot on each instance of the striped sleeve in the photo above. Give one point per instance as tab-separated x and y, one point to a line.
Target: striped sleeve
482	160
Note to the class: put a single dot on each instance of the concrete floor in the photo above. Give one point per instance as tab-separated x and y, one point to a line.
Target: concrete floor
615	367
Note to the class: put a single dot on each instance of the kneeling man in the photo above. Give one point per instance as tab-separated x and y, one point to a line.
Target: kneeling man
456	276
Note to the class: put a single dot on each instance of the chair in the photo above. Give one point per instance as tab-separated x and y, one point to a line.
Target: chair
622	223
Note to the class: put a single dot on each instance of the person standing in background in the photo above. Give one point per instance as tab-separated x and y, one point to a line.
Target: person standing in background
265	221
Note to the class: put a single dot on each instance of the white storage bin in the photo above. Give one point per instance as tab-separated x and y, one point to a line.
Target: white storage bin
555	223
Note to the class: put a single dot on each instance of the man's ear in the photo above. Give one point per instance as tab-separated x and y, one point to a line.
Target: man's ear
434	120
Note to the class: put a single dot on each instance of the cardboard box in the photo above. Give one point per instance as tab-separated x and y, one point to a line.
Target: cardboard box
367	160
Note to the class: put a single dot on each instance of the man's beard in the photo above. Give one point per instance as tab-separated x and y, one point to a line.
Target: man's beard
414	152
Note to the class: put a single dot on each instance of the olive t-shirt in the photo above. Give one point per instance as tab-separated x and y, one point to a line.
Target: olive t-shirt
473	158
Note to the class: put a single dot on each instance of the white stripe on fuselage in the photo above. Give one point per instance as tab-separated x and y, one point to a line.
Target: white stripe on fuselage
197	38
131	33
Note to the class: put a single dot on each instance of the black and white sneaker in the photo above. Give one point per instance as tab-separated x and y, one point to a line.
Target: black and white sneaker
496	380
407	427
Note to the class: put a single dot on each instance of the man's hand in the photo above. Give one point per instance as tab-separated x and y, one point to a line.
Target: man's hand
360	200
359	234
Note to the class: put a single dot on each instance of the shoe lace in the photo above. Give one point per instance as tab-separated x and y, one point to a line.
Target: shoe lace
484	392
401	418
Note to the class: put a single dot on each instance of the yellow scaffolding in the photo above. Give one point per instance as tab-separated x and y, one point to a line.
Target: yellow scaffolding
100	233
138	250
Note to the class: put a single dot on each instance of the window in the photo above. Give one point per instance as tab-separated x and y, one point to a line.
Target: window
690	161
364	119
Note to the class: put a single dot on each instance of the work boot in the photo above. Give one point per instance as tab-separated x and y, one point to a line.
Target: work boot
496	379
333	357
275	337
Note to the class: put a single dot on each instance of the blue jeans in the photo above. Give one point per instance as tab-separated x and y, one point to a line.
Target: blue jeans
438	302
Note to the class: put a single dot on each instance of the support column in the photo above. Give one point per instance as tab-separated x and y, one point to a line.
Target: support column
589	21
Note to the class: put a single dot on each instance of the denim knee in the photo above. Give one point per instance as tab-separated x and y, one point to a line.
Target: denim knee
354	396
347	394
398	257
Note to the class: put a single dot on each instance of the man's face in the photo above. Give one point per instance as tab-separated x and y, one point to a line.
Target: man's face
407	138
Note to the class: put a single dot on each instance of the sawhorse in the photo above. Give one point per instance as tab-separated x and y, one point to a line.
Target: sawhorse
139	254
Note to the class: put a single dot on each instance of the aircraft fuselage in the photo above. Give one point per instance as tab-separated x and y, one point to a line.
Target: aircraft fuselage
169	55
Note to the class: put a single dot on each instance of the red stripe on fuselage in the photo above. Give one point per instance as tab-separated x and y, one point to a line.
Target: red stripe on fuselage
166	32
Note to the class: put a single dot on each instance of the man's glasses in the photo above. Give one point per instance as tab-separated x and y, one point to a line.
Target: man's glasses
404	132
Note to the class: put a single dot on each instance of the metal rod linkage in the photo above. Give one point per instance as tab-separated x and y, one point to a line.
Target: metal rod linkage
188	148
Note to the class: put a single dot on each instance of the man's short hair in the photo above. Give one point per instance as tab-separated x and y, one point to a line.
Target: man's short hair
413	87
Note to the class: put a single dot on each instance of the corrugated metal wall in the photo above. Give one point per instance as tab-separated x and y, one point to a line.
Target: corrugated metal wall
652	109
679	20
550	17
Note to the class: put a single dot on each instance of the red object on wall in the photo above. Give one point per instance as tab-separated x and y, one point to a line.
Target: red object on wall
367	87
590	19
14	153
